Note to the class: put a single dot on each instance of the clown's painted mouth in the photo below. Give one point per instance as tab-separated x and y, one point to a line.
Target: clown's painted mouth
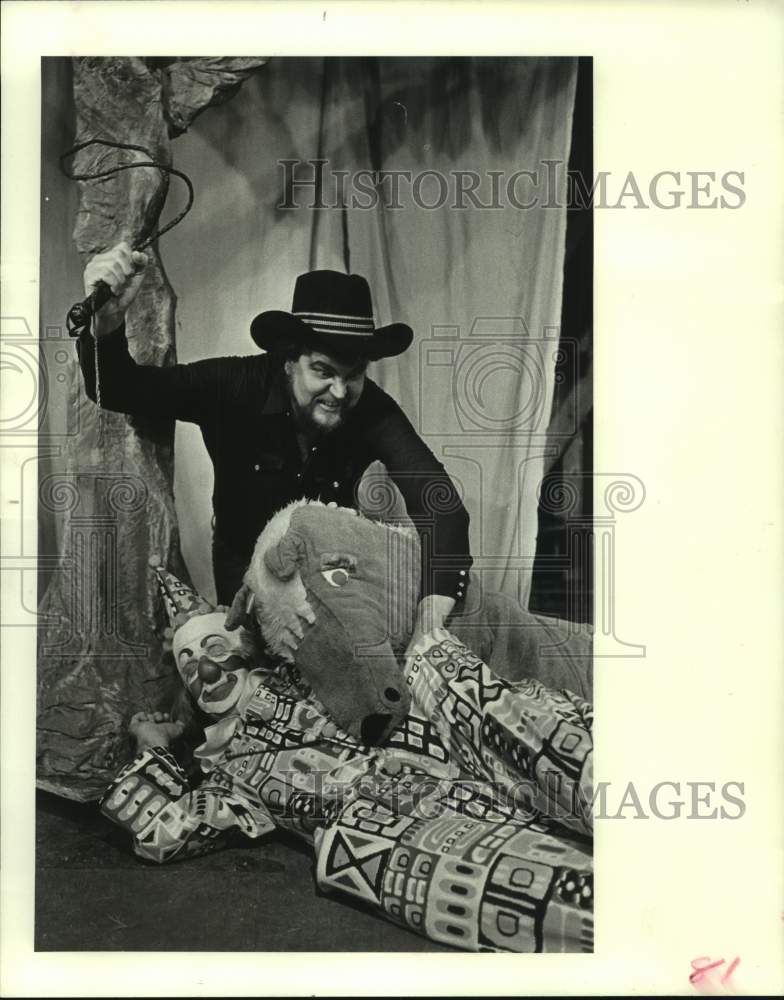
221	691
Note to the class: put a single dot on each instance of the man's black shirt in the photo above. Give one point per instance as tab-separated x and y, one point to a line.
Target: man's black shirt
242	406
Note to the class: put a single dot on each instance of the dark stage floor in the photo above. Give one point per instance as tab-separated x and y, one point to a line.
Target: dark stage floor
92	894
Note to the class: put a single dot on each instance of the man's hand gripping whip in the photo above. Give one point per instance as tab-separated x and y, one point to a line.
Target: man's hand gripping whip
79	315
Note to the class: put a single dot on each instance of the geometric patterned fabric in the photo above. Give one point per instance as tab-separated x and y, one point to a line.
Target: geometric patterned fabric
471	825
180	601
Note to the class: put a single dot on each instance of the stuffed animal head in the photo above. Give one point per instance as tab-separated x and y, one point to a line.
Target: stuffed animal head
335	594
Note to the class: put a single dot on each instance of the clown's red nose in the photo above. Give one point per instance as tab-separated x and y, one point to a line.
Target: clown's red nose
208	671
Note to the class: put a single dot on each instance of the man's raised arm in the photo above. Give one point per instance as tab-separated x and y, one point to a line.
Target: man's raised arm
176	391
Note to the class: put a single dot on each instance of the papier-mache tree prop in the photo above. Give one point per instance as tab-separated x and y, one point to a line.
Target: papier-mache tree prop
99	651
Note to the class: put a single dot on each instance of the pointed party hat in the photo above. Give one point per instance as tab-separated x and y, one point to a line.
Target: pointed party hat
181	602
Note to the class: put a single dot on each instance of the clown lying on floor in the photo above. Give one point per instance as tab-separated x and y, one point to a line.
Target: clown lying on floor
469	822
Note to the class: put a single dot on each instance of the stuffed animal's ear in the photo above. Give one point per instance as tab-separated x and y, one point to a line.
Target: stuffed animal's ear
283	559
241	607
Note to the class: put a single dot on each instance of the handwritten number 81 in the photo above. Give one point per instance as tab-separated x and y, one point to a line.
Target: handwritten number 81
704	964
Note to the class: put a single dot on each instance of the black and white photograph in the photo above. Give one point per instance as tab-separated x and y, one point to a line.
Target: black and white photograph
390	498
315	504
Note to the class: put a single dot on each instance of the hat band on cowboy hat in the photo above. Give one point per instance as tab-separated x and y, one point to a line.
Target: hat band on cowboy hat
333	312
335	323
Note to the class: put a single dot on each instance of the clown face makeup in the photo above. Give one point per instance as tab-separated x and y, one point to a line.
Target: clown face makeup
213	663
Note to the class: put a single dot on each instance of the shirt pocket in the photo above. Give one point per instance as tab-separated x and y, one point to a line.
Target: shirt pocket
267	477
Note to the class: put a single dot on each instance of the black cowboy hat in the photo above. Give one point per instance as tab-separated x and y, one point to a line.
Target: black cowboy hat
334	311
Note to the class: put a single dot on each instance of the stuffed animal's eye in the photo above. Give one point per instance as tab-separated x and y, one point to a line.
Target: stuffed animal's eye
335	577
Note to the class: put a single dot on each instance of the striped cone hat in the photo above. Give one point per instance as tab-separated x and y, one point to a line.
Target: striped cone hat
180	601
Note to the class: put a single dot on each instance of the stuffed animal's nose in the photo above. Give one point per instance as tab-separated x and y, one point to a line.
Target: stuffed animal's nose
392	696
208	671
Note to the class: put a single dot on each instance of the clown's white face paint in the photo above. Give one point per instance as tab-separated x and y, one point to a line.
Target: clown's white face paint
212	662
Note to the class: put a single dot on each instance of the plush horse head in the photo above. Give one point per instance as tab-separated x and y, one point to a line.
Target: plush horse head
335	594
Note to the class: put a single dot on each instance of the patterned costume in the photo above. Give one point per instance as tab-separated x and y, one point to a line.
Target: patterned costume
471	825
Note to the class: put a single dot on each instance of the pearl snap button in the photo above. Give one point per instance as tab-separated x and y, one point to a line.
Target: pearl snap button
256	468
335	485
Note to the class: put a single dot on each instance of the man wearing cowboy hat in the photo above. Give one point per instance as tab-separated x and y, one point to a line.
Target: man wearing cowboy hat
302	420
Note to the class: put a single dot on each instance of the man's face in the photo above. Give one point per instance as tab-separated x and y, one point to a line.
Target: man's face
324	389
213	663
